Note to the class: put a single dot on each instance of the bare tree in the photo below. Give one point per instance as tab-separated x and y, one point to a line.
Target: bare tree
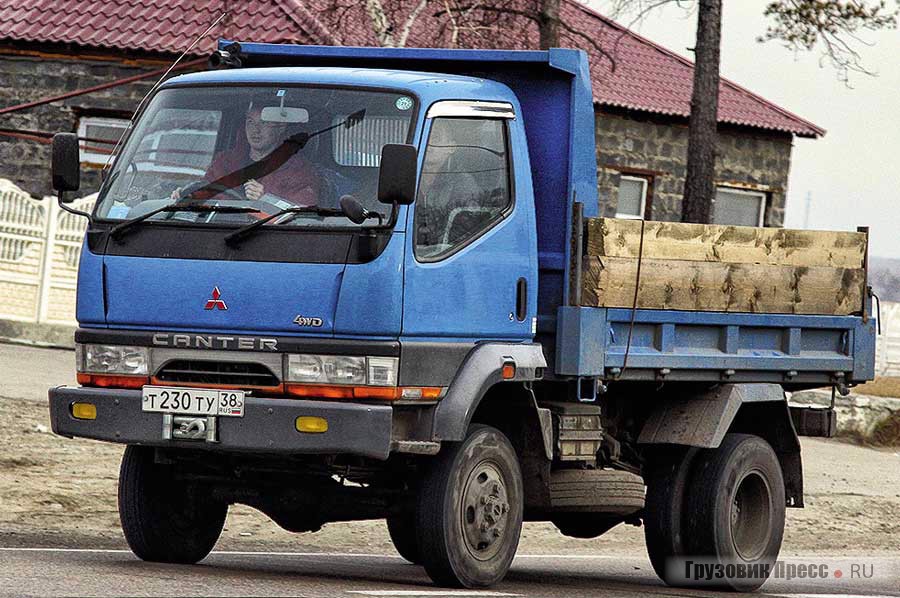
835	25
461	23
799	24
699	182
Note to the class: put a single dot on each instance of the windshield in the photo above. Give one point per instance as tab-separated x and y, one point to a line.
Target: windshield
263	147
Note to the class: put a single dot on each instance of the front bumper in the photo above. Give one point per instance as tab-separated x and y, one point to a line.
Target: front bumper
268	425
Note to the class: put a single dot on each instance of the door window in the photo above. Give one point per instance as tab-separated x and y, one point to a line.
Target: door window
464	188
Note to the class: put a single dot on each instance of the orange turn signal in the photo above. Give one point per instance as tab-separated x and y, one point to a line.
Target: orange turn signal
509	370
387	393
112	381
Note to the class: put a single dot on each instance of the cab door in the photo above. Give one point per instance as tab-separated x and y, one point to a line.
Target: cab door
471	268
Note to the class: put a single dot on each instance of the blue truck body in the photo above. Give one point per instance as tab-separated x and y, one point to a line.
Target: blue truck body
554	167
492	350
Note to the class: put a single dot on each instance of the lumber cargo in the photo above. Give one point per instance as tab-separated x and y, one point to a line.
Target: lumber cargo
703	267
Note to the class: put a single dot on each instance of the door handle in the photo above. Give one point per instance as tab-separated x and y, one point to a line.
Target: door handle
521	299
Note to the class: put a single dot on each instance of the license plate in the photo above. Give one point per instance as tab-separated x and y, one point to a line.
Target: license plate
193	401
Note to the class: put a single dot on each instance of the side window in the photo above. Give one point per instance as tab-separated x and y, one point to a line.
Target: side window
464	188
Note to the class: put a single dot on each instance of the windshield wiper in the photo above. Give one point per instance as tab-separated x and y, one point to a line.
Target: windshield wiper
118	230
236	236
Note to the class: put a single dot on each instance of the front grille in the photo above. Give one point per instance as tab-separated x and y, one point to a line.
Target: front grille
217	372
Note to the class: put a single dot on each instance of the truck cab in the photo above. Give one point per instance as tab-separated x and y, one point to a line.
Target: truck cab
343	283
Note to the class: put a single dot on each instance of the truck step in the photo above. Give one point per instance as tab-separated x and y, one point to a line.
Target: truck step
416	447
596	491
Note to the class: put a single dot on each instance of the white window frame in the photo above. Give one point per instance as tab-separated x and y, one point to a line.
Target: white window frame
644	186
761	221
87	156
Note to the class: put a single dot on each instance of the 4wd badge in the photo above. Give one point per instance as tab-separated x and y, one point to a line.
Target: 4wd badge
308	322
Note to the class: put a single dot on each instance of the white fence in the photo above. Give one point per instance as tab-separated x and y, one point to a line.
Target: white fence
887	351
39	248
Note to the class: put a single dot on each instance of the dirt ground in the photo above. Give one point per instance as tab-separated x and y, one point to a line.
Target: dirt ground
58	492
880	387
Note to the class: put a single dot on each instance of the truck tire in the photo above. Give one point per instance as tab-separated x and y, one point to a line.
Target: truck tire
735	507
469	511
162	522
667	475
402	529
608	491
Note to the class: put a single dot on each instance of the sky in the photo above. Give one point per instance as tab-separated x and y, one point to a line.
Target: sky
852	174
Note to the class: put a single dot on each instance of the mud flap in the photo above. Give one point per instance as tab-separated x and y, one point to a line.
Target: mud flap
814	421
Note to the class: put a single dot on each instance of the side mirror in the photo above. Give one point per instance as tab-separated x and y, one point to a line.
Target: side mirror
66	164
397	177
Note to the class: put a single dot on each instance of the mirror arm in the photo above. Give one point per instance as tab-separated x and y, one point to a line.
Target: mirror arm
61	204
392	220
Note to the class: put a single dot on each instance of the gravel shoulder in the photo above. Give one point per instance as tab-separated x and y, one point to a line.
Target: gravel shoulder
56	492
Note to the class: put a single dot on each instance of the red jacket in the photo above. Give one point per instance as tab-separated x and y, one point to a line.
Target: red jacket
295	181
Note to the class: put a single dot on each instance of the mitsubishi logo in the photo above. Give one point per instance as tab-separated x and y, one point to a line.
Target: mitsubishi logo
215	302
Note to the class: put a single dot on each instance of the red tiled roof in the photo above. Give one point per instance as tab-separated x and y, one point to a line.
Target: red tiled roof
155	25
645	77
651	78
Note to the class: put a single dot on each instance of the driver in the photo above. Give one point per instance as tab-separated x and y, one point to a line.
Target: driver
293	183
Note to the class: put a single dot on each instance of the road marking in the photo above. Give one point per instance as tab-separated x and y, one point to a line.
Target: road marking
836	595
429	593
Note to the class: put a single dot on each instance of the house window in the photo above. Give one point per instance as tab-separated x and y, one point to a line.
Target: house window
632	197
98	137
739	206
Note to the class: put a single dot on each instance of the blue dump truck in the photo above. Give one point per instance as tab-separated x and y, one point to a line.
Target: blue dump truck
337	284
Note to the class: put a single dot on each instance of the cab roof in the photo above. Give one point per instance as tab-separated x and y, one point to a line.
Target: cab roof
428	87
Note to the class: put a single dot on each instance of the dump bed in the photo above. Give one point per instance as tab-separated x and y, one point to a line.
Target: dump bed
718	303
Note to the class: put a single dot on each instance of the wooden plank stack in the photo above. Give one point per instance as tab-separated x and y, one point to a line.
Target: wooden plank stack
704	267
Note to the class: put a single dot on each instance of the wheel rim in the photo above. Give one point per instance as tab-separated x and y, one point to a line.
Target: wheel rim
484	513
751	516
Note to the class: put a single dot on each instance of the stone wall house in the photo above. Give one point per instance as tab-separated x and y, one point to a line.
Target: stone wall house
49	47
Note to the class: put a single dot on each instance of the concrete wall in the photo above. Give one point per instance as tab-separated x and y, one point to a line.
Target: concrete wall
654	147
29	78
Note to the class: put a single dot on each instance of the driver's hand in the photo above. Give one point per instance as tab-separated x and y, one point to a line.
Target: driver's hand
253	189
176	193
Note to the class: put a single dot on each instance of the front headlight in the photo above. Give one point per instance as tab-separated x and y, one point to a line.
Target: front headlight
112	359
342	369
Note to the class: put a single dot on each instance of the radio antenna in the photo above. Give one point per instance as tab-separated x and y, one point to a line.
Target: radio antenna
157	84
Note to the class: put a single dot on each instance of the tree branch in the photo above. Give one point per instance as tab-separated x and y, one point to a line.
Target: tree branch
410	21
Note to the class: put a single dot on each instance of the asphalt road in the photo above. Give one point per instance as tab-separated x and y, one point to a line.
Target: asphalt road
47	572
26	372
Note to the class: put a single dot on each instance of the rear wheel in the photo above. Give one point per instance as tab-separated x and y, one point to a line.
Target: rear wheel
402	529
163	520
667	476
469	512
736	506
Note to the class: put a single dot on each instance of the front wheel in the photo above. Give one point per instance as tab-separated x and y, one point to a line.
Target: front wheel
469	511
735	508
402	529
164	520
